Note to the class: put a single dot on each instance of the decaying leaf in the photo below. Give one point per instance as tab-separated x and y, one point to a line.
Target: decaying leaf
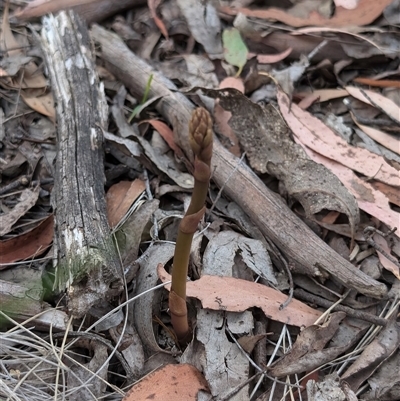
164	163
326	389
365	13
266	139
226	246
32	243
236	295
385	382
368	198
201	70
313	133
204	25
120	198
79	374
130	234
27	200
225	368
374	355
377	100
308	351
385	262
172	382
390	142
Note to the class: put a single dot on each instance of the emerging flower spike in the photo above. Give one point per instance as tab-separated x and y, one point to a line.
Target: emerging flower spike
201	142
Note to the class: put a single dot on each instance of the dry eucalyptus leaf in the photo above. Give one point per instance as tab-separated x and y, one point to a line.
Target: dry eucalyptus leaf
201	70
266	139
365	13
204	25
30	244
226	246
306	351
224	369
82	373
120	198
236	295
172	382
385	382
374	355
377	100
27	200
164	162
314	134
325	390
223	364
132	231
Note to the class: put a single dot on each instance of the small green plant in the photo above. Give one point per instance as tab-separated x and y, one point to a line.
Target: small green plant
201	142
139	107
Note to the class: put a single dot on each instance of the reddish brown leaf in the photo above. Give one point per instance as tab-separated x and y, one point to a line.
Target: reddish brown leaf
120	198
153	4
172	382
167	133
271	58
236	295
32	243
382	83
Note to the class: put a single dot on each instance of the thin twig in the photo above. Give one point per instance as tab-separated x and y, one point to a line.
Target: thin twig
368	317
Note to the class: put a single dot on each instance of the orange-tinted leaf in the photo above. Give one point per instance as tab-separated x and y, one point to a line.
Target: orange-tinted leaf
172	382
390	142
37	8
120	198
232	82
391	193
167	134
313	133
376	99
236	295
272	58
7	40
43	104
365	13
382	83
32	243
153	4
368	199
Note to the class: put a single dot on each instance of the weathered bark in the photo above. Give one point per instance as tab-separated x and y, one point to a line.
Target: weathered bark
86	259
268	212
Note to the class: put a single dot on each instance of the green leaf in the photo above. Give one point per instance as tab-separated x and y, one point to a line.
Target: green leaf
235	50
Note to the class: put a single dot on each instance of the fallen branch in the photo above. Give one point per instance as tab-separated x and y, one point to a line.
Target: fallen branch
86	259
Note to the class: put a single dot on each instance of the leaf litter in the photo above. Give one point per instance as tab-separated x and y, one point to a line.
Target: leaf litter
238	278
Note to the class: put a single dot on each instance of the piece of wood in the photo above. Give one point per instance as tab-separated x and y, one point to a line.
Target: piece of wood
86	259
89	10
265	208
